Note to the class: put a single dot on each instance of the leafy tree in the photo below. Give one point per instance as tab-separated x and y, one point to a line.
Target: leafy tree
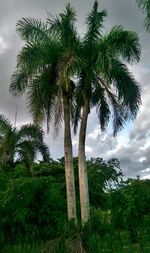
44	67
130	208
103	176
22	144
105	83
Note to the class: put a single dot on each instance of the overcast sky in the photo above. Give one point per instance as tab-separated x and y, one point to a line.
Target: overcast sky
132	145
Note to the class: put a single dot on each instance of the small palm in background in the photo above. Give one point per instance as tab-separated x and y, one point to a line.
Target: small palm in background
21	145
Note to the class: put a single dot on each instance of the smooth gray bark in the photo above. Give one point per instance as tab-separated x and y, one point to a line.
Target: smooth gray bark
69	170
83	178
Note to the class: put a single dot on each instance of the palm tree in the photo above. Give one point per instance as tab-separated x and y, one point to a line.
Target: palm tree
44	67
24	144
105	83
144	5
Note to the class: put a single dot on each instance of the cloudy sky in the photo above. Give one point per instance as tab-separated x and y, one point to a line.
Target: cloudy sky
132	145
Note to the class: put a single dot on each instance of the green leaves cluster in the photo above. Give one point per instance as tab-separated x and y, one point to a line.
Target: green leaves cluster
30	210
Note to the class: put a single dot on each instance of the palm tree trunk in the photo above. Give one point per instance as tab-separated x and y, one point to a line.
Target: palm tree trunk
83	178
69	170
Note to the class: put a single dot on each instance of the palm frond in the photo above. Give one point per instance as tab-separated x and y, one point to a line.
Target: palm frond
30	132
26	151
31	58
75	114
95	24
5	124
102	107
36	56
68	30
129	91
122	43
7	140
144	5
53	22
31	29
63	27
30	143
18	83
119	113
41	95
44	151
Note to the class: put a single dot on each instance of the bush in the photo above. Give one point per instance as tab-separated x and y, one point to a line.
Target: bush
34	207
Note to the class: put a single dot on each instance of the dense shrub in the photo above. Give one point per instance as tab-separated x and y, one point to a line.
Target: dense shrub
33	208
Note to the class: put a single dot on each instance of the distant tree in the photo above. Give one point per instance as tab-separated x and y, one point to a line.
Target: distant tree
22	144
103	176
130	207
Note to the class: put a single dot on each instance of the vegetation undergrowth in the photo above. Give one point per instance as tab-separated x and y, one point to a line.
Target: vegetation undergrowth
33	210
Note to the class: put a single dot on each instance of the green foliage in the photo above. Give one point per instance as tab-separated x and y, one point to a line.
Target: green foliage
130	208
21	248
45	64
33	210
102	176
144	5
20	170
22	144
29	209
53	168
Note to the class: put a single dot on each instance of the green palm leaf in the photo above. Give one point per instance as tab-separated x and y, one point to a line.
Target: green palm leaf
122	43
19	82
144	5
24	144
31	29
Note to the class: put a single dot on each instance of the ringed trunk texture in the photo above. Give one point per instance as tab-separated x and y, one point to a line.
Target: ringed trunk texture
83	178
69	170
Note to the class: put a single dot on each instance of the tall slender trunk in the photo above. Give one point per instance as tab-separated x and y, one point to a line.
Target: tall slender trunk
69	170
83	178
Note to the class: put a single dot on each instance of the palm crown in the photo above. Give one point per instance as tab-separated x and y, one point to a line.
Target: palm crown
45	64
22	144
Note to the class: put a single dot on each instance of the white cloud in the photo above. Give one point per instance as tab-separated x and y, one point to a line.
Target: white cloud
141	160
3	44
88	149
